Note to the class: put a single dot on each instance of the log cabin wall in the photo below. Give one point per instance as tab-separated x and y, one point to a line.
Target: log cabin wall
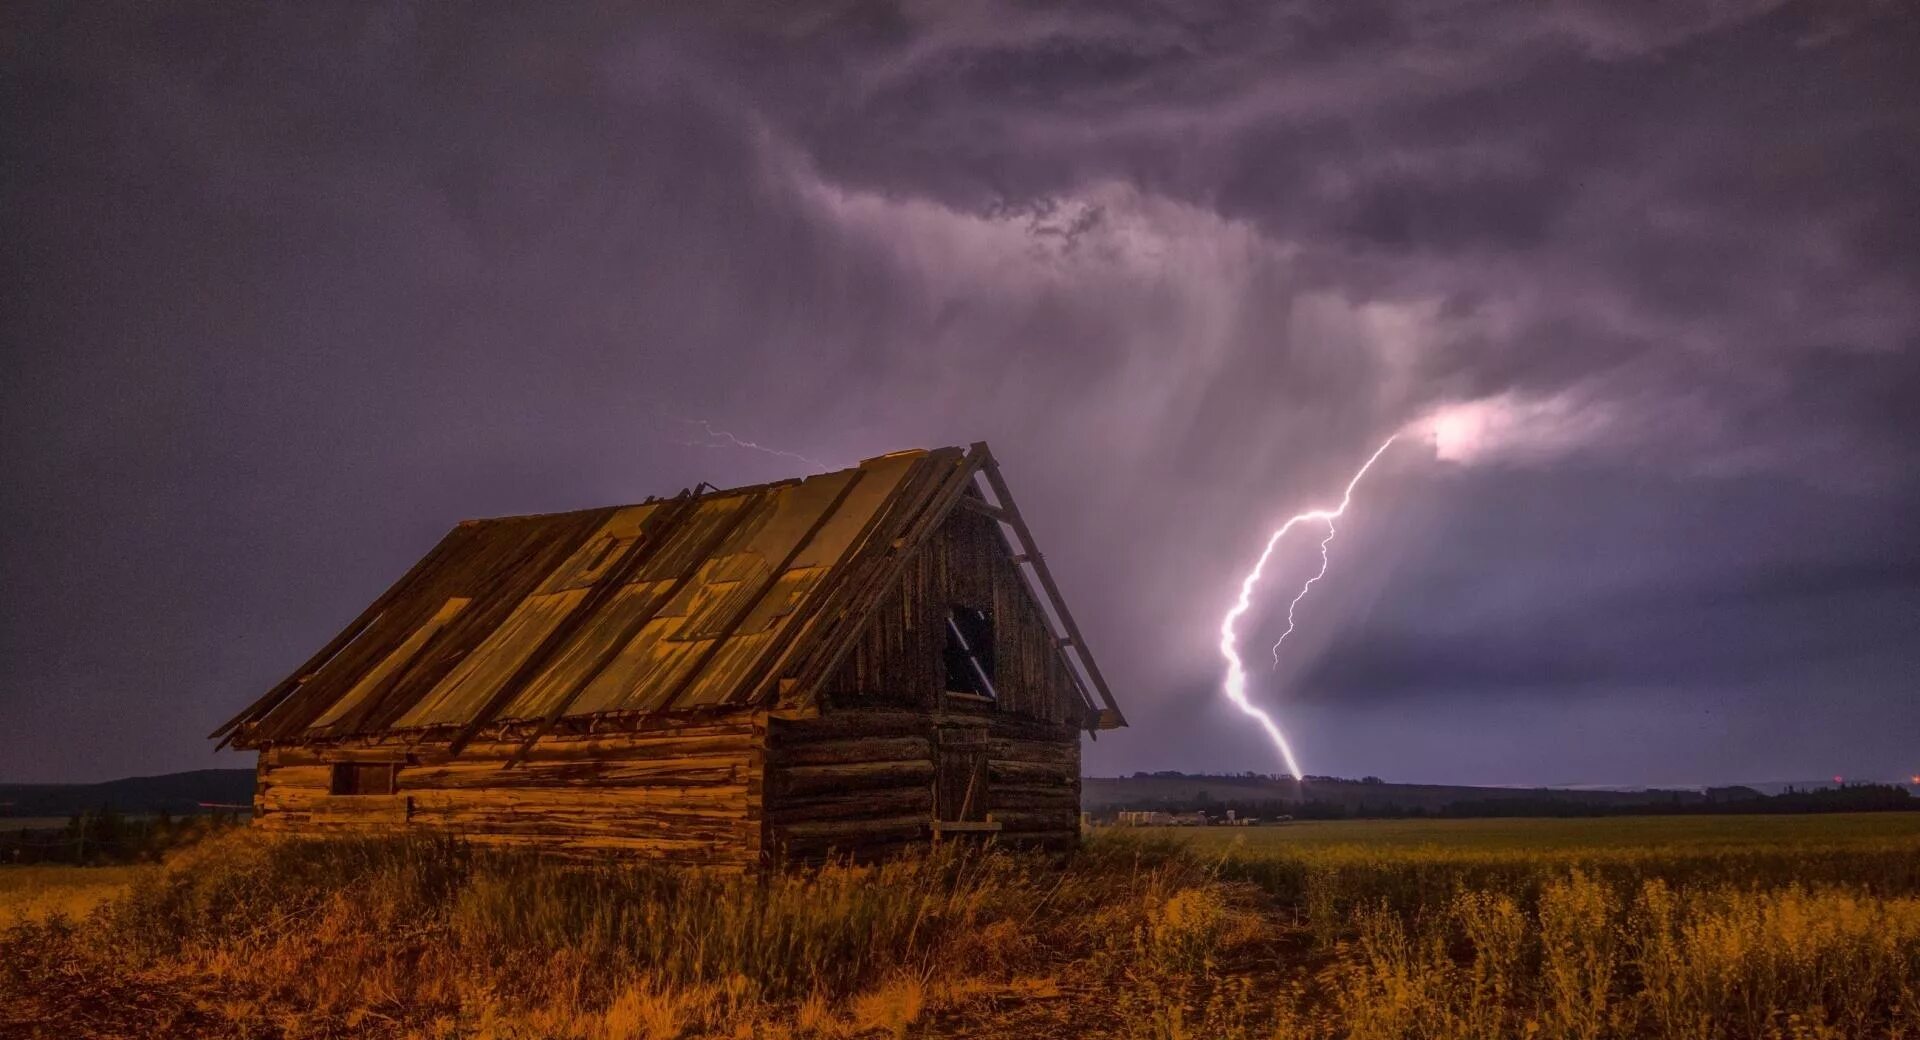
1033	781
866	781
864	777
857	782
879	765
689	795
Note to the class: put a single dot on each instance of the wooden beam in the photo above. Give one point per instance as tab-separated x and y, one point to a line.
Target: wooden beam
983	508
991	468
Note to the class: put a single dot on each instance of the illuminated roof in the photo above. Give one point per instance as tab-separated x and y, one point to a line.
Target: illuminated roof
682	605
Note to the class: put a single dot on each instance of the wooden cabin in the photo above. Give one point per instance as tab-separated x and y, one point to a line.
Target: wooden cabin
844	663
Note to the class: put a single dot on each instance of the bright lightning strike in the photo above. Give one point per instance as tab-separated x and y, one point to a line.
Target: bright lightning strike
722	439
1304	589
1236	680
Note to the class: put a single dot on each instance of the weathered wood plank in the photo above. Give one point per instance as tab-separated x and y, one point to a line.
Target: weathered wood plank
694	740
372	810
612	801
687	830
1014	727
610	775
1010	749
316	777
734	739
1057	774
899	801
852	749
840	725
290	799
795	781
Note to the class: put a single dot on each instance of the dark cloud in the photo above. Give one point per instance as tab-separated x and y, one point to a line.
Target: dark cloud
292	289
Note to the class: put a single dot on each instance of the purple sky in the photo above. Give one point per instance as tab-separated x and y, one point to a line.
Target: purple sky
290	290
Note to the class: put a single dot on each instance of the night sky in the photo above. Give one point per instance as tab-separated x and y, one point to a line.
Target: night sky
289	291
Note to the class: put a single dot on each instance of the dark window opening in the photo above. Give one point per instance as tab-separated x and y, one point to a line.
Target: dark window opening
362	778
970	652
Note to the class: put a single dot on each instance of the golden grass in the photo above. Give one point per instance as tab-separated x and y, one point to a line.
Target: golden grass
33	893
1678	833
1649	935
1587	962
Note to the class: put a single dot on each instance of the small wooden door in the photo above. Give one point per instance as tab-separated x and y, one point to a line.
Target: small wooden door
960	781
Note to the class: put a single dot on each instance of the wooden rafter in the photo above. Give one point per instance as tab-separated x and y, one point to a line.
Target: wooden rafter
1110	715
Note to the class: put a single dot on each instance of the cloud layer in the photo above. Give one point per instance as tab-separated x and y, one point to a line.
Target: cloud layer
291	290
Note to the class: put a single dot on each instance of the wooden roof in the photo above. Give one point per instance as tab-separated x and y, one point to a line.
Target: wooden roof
689	604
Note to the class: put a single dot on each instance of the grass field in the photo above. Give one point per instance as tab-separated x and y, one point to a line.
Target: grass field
1679	928
1600	833
28	893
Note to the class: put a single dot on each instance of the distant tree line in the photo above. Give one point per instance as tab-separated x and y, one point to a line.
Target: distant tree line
1718	801
104	835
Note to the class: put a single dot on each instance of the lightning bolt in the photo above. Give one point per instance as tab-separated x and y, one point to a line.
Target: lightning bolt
1235	685
1304	589
722	439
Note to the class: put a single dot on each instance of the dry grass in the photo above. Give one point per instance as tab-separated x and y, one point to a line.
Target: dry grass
33	893
414	937
1588	962
248	936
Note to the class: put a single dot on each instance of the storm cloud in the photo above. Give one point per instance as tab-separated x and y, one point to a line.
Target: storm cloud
291	289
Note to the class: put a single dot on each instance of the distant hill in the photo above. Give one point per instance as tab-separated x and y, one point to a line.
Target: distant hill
177	793
1179	790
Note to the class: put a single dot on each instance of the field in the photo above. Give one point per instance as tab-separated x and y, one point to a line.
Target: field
31	893
1667	927
1611	833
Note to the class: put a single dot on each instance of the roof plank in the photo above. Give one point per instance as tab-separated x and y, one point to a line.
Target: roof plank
731	598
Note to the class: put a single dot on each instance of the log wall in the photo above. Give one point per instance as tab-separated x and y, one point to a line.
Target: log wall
690	795
863	777
862	782
1033	781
